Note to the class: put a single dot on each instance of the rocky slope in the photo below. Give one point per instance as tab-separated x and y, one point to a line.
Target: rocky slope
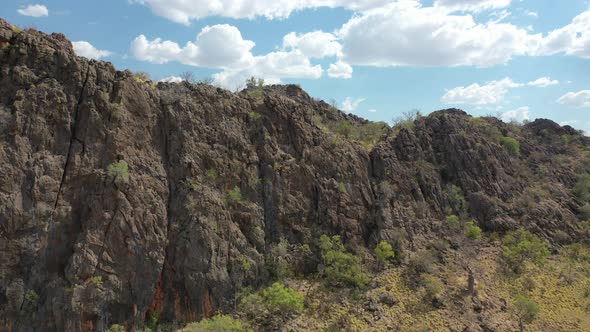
216	178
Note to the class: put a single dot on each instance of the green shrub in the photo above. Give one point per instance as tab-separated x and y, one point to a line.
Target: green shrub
432	285
456	200
341	187
278	262
582	188
567	139
218	323
511	144
384	253
245	264
255	93
255	116
235	195
96	281
577	253
344	128
211	174
472	231
525	309
31	302
119	172
422	262
282	300
520	247
152	322
454	223
15	29
141	77
340	267
276	300
116	328
253	305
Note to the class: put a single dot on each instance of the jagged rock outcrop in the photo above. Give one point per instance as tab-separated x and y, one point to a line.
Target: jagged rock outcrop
216	178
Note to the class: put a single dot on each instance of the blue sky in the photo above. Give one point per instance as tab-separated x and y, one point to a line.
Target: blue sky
521	59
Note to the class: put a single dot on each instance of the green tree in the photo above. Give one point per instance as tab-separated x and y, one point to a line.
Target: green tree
520	247
340	267
218	323
384	253
526	310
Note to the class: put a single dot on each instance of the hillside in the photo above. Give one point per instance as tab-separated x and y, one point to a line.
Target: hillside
121	199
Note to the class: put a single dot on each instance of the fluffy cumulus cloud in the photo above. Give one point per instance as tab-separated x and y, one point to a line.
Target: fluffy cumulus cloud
34	11
340	70
183	11
576	99
218	46
572	39
471	5
543	82
316	44
171	79
407	34
84	48
222	47
381	33
349	104
520	114
273	67
490	93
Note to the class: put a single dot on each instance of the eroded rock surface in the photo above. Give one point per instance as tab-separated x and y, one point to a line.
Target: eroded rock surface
216	178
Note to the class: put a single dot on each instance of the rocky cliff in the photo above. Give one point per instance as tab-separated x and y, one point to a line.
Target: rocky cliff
120	197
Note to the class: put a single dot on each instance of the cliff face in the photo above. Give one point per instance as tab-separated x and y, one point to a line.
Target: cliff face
216	178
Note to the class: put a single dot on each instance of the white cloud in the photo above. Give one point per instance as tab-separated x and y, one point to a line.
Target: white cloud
273	67
572	39
472	5
171	79
316	44
34	11
340	70
349	104
183	11
406	34
543	82
497	17
222	47
520	114
218	46
490	93
576	99
531	13
84	48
